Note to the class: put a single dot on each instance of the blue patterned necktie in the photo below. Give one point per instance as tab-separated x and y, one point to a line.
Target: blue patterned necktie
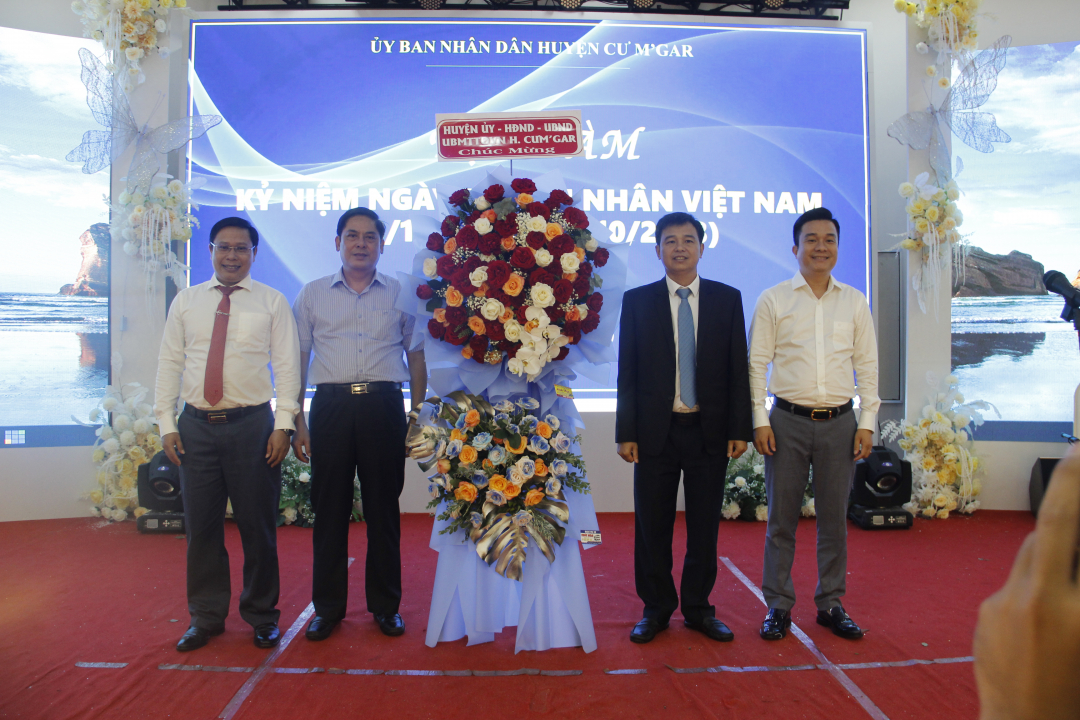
687	351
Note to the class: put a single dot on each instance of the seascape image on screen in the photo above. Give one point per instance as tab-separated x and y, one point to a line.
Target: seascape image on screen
322	116
54	284
1022	215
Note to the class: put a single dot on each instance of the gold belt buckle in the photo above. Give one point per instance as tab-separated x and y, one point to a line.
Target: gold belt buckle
358	388
217	418
815	411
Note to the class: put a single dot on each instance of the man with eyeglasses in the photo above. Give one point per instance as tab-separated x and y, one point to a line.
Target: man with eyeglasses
220	338
360	348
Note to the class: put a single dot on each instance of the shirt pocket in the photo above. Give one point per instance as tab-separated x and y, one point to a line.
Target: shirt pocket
251	330
382	325
843	336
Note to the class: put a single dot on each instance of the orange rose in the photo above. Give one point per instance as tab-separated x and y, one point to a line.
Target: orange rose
541	468
507	314
508	243
553	230
466	352
476	325
524	199
490	215
570	276
533	497
453	297
516	450
487	464
456	434
482	290
573	314
443	465
467	491
498	482
440	316
580	252
543	430
511	491
472	418
468	455
514	285
450	246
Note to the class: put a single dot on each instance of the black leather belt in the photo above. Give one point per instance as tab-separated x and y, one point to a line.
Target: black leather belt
358	388
686	418
215	417
827	413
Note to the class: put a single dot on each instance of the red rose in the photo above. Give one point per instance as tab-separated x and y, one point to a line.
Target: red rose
494	194
560	246
600	257
498	273
456	316
539	209
576	218
511	350
560	197
472	263
594	303
506	227
473	217
436	329
585	269
523	258
479	345
457	335
562	353
553	204
488	244
467	237
424	292
435	242
562	289
497	293
536	240
581	286
450	225
458	197
520	313
543	276
523	185
590	322
460	280
572	330
494	330
445	266
555	314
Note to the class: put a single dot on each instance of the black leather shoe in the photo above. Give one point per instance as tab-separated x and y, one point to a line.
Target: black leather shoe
776	624
712	628
320	628
840	623
267	635
391	625
646	630
196	637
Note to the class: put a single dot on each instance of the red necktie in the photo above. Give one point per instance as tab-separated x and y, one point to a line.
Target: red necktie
213	388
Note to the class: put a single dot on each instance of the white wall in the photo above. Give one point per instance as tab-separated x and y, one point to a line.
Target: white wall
46	482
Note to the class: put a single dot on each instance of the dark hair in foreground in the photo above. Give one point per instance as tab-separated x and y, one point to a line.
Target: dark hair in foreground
361	212
237	223
815	214
679	218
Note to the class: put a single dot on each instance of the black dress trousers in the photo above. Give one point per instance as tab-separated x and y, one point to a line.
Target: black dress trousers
361	436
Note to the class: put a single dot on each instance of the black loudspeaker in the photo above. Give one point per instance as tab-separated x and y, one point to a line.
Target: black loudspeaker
159	485
882	484
1040	478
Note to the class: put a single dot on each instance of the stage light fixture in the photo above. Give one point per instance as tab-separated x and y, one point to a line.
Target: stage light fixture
570	4
430	4
774	4
882	484
640	4
159	492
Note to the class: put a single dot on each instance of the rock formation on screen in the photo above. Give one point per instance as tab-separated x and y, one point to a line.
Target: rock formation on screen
93	277
989	275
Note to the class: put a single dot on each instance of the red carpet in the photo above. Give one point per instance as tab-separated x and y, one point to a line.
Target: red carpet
80	591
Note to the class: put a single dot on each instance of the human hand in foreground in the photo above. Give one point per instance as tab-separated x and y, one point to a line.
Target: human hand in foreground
864	444
764	440
1027	640
735	448
628	451
277	447
301	440
173	447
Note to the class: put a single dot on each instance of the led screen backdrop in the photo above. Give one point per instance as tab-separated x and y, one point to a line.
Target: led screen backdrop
745	127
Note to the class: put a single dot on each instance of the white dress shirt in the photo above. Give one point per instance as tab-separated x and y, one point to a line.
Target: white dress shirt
676	301
261	329
817	348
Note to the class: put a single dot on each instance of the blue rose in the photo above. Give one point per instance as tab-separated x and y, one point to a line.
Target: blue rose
527	467
553	486
482	441
502	417
558	468
561	443
538	445
528	403
504	406
552	421
514	429
476	519
529	423
522	518
497	454
453	448
480	480
496	498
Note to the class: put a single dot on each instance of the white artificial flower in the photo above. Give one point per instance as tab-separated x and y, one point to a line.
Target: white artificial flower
94	415
131	249
127	439
541	293
478	276
543	257
125	197
121	422
515	365
591	245
159	193
175	187
740	482
160	25
482	204
109	403
761	513
907	190
492	309
106	433
290	515
536	224
570	262
537	314
808	509
141	425
553	332
430	267
304	477
922	48
95	512
732	510
134	53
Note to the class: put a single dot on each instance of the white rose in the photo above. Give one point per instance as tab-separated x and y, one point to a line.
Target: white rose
133	53
512	330
541	295
543	257
570	262
740	482
536	224
583	311
304	477
492	309
160	25
482	203
118	515
515	366
159	193
430	267
478	276
137	199
732	510
907	190
125	197
290	515
591	245
482	225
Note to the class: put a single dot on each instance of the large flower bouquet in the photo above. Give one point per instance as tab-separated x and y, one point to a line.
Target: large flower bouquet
940	448
501	470
514	277
744	489
129	30
148	224
951	25
933	219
